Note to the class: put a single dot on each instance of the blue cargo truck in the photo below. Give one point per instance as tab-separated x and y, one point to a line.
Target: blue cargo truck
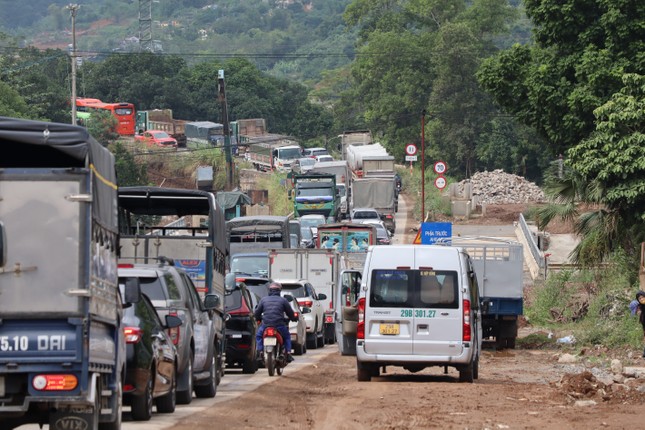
499	265
61	342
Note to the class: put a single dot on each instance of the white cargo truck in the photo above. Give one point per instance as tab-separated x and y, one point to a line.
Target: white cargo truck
321	267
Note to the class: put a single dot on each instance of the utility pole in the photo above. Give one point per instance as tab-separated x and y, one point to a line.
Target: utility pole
423	165
227	133
73	8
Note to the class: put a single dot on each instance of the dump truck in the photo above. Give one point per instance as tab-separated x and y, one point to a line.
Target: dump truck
62	346
316	194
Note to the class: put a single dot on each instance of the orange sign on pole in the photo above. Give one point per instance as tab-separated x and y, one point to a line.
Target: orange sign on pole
417	239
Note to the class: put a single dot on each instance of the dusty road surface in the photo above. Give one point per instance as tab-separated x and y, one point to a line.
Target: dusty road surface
516	389
525	388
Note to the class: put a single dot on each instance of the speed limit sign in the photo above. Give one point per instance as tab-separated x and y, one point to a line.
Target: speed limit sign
411	149
440	182
440	167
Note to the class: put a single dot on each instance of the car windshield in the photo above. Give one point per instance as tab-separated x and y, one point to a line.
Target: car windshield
311	222
314	192
250	265
306	162
306	233
365	215
289	153
160	134
295	290
341	190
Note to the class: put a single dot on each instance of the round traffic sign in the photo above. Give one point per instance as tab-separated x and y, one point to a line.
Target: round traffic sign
411	149
440	182
440	167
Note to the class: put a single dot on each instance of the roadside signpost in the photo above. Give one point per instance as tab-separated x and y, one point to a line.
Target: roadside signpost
440	168
410	153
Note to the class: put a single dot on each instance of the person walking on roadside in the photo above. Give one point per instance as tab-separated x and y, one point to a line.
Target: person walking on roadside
640	311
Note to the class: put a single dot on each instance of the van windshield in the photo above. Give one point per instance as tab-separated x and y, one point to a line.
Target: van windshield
414	289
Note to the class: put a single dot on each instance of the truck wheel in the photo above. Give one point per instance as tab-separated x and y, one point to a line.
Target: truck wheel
118	410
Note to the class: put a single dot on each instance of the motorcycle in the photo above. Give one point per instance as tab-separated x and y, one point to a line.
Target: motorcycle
275	357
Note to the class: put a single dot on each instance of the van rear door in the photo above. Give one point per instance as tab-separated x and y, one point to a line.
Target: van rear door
438	318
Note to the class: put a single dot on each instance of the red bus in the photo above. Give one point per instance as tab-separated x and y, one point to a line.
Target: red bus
123	112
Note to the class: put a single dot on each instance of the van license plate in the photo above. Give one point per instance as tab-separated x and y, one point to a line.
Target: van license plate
271	341
390	329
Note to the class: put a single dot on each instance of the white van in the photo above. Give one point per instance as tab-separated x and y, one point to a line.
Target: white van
418	306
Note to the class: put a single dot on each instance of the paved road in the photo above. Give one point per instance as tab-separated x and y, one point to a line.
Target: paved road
234	384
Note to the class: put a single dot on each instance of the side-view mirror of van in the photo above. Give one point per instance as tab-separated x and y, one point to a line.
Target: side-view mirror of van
322	296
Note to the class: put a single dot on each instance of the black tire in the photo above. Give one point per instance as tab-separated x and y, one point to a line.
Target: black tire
208	390
141	407
476	368
116	423
167	403
270	363
298	349
467	373
250	365
312	342
363	372
186	396
320	339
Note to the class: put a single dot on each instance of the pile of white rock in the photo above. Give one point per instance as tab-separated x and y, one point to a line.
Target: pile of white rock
499	187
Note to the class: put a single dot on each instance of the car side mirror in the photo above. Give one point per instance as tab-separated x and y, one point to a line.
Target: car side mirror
211	301
322	296
306	310
132	290
173	321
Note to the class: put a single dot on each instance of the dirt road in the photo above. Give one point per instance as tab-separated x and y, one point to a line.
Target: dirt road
525	388
518	389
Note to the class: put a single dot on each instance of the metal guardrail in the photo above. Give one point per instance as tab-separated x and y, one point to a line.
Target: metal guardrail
530	240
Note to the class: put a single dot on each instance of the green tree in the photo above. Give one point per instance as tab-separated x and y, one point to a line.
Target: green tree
602	185
129	172
582	50
11	104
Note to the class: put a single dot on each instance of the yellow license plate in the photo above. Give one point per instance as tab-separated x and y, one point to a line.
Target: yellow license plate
389	329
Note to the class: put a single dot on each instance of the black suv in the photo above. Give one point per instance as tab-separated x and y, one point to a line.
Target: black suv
172	292
151	359
241	327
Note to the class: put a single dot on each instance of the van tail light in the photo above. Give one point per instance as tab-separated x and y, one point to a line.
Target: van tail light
132	334
174	332
360	329
466	325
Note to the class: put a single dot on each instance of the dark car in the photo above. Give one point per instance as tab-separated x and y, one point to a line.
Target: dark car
151	359
172	292
241	327
255	284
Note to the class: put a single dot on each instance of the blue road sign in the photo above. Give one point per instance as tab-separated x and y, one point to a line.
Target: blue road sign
433	231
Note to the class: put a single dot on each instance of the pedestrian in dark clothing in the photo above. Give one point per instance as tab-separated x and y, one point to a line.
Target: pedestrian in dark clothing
640	311
271	311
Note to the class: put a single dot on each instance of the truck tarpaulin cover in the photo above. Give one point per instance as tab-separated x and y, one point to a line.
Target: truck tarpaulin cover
178	202
35	144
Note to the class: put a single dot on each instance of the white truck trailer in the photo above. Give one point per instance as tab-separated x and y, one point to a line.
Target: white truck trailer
321	267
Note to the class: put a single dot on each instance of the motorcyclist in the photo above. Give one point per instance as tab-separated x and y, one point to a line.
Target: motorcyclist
271	311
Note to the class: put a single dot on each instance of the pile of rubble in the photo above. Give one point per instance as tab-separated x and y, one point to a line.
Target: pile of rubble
499	187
